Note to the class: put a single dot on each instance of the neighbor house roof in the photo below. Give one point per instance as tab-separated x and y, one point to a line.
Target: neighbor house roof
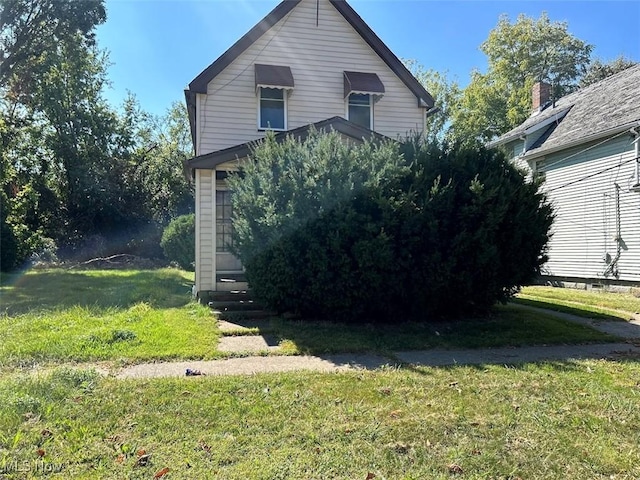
199	84
338	124
599	110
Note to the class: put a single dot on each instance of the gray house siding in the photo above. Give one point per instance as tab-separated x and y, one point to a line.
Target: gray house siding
581	184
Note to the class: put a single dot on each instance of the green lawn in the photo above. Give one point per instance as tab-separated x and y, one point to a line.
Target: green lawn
538	421
507	325
79	316
61	316
594	304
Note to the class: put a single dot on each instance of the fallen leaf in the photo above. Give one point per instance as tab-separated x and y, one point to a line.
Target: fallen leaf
395	413
370	476
161	473
46	433
141	452
385	391
120	458
41	452
455	468
143	460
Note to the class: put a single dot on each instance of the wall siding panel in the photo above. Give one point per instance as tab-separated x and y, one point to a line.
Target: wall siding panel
205	271
584	230
317	56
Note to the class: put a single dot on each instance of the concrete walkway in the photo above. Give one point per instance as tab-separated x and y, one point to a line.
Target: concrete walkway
433	357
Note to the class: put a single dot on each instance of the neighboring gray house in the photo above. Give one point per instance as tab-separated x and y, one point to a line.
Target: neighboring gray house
307	62
586	145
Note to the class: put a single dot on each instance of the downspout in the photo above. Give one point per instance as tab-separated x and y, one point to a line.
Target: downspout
612	268
636	186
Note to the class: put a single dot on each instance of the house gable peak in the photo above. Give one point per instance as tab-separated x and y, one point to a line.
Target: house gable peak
199	84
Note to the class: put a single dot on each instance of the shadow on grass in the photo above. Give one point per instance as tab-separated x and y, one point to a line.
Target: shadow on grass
567	364
505	326
573	310
55	289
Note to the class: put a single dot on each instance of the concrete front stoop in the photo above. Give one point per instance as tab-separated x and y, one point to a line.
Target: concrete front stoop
243	323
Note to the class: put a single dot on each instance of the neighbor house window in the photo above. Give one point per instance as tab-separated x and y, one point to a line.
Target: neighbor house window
360	109
273	109
224	227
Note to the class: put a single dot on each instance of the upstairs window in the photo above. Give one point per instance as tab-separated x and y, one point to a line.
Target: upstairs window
361	91
273	109
273	84
360	110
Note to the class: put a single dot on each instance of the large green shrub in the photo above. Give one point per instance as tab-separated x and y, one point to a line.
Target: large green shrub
385	232
179	240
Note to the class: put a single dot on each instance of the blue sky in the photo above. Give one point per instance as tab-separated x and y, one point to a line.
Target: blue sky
158	46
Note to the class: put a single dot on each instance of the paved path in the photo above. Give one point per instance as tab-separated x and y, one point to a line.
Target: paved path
433	357
253	365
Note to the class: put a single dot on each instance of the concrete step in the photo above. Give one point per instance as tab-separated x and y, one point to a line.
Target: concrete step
231	296
234	305
231	286
231	277
244	315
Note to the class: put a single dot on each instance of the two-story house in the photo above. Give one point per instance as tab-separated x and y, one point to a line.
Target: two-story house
308	62
586	146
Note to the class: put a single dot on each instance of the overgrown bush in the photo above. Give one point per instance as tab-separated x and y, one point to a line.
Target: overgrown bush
179	239
385	232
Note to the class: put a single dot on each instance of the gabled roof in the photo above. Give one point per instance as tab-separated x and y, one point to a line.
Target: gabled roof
599	110
199	84
338	124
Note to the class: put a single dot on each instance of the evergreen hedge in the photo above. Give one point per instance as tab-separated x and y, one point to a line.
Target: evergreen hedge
385	231
179	240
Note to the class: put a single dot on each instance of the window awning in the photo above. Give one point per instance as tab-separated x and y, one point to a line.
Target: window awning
273	76
359	82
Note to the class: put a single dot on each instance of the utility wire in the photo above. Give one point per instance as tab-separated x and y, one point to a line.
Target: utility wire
584	150
594	174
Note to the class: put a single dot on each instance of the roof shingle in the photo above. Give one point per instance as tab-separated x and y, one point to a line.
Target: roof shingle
594	111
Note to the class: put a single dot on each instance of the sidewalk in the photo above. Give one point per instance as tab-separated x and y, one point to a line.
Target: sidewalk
434	357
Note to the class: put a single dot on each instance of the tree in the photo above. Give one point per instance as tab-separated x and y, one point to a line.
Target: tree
179	241
75	170
599	70
519	54
385	232
42	45
29	28
163	144
446	93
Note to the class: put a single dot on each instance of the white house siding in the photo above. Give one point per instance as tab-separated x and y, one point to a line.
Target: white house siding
585	226
317	56
205	208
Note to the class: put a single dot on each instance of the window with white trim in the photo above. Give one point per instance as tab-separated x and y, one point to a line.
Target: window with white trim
272	109
360	109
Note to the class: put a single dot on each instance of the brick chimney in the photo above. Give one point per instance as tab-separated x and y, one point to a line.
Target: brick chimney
541	94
